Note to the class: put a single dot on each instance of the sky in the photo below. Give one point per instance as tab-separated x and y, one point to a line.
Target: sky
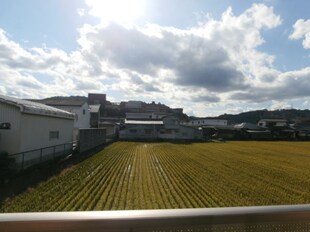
209	57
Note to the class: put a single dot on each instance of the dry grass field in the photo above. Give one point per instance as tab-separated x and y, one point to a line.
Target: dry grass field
137	175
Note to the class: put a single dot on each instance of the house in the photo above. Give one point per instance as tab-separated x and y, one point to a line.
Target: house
167	128
197	122
131	106
145	116
94	115
97	99
33	126
78	107
111	124
272	123
302	129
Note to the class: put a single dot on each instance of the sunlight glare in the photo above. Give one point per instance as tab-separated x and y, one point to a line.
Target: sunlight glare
120	11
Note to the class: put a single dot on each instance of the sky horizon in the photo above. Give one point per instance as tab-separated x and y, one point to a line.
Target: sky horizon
205	56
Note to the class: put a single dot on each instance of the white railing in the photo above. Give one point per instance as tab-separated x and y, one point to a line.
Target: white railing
269	218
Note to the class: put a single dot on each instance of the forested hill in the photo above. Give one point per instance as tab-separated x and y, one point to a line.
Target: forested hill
255	116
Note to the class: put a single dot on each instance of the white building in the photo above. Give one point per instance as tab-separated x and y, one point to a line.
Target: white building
79	108
145	116
167	128
33	126
207	122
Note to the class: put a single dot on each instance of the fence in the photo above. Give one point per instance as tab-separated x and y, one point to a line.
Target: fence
267	218
27	159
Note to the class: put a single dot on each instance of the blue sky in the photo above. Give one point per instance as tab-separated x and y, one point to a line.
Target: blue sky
209	57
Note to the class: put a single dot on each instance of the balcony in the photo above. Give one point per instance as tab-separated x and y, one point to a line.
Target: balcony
266	218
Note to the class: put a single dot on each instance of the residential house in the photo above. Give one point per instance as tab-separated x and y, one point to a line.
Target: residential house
272	123
167	128
94	115
197	122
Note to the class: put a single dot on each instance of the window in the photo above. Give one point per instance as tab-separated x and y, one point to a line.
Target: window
54	135
83	111
147	131
133	131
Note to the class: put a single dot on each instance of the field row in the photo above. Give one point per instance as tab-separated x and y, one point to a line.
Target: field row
129	175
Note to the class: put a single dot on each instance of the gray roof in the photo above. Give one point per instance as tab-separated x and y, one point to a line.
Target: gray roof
61	101
247	125
29	107
143	122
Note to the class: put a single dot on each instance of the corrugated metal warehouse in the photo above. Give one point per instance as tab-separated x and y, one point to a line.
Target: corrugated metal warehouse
33	126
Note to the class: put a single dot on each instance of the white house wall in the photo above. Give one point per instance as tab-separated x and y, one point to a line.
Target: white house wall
10	139
81	120
177	132
138	132
35	132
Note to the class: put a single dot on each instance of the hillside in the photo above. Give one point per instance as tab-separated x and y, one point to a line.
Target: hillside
254	116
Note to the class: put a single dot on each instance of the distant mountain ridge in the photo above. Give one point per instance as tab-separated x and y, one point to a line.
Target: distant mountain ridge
254	116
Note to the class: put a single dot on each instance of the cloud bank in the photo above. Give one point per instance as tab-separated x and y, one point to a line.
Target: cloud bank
210	65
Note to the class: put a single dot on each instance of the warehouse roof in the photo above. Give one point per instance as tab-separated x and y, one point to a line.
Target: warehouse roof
62	101
30	107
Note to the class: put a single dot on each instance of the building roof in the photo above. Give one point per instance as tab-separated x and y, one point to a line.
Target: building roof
94	108
29	107
142	122
208	118
247	125
273	120
60	101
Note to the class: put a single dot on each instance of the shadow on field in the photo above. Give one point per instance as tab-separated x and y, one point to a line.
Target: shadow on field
29	178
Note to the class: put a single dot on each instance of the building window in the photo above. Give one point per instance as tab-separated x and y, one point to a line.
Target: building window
133	131
54	135
84	111
147	131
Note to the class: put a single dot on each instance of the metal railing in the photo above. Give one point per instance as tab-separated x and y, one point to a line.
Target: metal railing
270	218
30	158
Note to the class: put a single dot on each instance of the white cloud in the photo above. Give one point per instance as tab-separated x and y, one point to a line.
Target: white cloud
81	12
204	67
302	31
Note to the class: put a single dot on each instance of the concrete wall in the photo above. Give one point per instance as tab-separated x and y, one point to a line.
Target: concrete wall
10	139
90	138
